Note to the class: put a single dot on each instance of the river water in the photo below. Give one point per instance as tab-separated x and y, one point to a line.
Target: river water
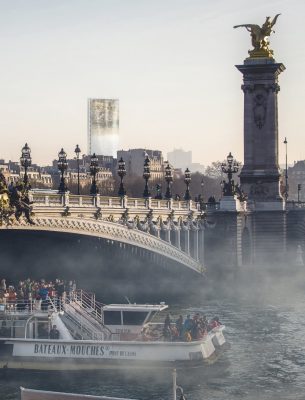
266	359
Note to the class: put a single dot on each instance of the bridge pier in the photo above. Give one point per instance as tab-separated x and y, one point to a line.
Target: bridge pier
195	234
185	243
201	244
175	235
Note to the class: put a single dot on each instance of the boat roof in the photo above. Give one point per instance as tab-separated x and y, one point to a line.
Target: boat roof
135	307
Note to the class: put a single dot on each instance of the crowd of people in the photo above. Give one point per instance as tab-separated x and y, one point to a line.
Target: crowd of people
37	293
194	328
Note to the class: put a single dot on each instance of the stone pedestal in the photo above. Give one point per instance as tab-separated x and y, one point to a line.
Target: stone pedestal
260	175
231	203
268	231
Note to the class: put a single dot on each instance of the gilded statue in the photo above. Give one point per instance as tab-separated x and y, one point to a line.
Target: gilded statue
14	201
259	36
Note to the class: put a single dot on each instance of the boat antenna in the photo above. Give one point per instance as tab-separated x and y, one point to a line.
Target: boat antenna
128	301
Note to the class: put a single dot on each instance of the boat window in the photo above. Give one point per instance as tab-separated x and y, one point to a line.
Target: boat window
112	317
42	330
134	317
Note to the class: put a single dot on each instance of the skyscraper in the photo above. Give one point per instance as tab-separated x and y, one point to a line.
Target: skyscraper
103	126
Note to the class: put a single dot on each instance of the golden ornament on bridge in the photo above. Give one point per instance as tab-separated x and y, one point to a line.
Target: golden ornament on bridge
259	36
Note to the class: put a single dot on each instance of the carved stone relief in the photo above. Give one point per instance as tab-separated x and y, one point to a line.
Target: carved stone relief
259	108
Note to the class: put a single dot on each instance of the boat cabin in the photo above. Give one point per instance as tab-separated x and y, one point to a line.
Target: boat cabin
127	319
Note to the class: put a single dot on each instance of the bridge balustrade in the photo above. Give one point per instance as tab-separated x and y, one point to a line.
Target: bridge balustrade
71	200
136	203
295	205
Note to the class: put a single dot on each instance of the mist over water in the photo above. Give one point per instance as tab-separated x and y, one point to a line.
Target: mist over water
265	325
262	307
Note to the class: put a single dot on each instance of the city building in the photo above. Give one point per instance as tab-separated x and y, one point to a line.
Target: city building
134	162
197	167
104	180
108	162
105	176
180	158
296	176
103	126
37	176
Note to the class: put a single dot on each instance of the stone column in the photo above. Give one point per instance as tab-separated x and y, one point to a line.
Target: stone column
195	240
168	235
178	240
186	240
260	175
201	244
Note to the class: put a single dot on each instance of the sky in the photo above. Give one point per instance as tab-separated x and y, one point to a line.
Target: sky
169	62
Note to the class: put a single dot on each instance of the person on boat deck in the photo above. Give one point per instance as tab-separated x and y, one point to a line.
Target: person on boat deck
167	322
12	296
188	323
174	334
187	328
43	294
3	285
179	325
195	331
214	323
187	336
54	332
203	321
167	327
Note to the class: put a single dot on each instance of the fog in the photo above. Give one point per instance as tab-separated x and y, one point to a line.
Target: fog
261	305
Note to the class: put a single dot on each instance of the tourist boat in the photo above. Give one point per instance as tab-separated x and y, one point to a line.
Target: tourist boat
94	336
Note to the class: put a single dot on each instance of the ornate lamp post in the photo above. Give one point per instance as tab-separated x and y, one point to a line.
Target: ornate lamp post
146	176
77	151
187	181
62	166
230	167
159	192
169	180
93	171
121	173
286	171
26	161
202	188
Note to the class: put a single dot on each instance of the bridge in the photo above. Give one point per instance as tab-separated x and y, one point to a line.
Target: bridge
170	229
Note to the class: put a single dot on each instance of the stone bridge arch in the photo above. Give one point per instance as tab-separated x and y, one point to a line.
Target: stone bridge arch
111	231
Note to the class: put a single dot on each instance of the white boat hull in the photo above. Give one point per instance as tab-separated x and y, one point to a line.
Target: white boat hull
83	355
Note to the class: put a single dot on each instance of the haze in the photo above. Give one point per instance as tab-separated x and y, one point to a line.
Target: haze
171	64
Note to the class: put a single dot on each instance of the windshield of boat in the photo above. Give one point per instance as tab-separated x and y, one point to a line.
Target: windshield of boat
128	317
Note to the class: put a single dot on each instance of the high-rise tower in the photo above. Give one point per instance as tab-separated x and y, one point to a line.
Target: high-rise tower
103	126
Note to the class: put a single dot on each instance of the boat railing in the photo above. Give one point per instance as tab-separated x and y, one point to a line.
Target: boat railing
88	301
90	327
81	328
28	306
87	313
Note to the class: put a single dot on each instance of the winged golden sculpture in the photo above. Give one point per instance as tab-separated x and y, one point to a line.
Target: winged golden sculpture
259	36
